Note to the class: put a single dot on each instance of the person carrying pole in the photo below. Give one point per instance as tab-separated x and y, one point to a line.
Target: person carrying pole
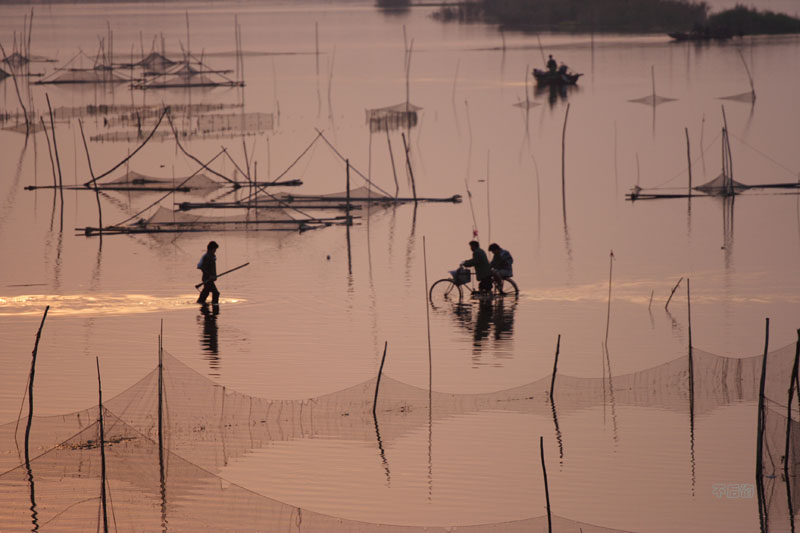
208	265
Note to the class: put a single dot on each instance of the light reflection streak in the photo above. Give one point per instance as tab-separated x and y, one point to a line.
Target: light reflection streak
98	304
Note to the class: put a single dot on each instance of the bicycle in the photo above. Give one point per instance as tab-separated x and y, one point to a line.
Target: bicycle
449	290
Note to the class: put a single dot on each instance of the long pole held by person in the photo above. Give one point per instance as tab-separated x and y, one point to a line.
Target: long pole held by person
222	274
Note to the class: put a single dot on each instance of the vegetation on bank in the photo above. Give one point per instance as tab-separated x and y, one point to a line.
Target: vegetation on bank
616	16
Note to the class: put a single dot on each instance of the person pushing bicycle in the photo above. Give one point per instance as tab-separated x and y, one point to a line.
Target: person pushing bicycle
480	262
501	264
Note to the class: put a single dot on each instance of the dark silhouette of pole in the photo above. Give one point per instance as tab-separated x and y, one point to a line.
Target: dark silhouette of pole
378	382
675	288
546	490
555	368
689	158
410	170
563	151
30	388
55	150
760	437
94	181
102	451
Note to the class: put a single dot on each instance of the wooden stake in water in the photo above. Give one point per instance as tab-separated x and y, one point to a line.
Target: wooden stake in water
347	194
555	368
563	151
378	382
546	489
760	429
689	159
94	182
102	450
30	387
608	311
793	383
55	151
673	292
410	170
391	157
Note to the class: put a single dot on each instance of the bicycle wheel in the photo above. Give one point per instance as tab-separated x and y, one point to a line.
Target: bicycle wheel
509	288
444	291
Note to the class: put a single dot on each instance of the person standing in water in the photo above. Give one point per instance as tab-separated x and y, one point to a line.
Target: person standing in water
208	265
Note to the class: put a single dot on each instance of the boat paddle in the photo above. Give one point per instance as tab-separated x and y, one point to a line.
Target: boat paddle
220	275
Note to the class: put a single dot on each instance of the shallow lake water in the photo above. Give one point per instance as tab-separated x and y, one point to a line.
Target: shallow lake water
311	313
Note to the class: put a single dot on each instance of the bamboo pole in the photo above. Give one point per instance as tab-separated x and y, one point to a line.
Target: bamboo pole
347	204
378	382
651	299
689	158
102	451
673	292
563	150
55	150
410	170
94	181
760	429
691	356
546	489
19	95
555	368
50	153
608	310
30	387
792	385
391	157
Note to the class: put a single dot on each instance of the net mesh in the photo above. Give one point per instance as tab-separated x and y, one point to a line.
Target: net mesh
206	425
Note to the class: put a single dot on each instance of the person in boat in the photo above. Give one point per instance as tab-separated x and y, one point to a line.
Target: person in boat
208	265
501	264
480	262
551	64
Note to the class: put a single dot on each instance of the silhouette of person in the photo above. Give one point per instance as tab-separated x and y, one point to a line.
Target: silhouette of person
551	64
208	265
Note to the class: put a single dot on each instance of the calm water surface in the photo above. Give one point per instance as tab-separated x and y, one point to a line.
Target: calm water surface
302	320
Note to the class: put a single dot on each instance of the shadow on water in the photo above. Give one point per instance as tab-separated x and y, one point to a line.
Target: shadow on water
485	319
209	339
555	93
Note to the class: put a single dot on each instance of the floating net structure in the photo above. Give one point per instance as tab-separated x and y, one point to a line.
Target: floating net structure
393	117
167	437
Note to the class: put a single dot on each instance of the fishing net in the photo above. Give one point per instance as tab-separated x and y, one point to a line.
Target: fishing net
134	179
203	426
721	186
274	218
403	115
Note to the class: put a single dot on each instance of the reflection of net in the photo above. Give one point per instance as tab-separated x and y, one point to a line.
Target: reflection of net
207	425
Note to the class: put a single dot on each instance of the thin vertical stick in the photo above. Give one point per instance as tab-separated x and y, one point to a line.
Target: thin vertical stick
427	315
55	150
792	385
316	43
546	489
555	368
689	158
563	151
94	181
760	436
616	168
651	299
488	202
347	194
50	152
378	382
608	311
673	292
102	451
410	170
653	78
691	355
30	387
391	156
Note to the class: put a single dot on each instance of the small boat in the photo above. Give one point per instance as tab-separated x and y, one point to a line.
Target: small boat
562	76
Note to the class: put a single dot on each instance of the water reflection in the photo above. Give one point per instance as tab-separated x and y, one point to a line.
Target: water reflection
555	93
487	318
210	337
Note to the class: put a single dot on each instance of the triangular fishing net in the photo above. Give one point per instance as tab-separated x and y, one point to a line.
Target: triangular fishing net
722	186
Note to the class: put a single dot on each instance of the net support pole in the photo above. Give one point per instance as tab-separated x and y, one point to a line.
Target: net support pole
102	451
378	382
347	193
391	157
760	429
689	158
792	385
30	387
563	152
55	151
410	170
675	288
546	489
555	368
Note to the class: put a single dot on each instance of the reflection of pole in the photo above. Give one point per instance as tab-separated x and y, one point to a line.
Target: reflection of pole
102	451
760	436
430	375
546	490
555	367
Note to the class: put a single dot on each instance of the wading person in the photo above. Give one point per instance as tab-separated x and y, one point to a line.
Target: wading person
501	264
480	262
208	265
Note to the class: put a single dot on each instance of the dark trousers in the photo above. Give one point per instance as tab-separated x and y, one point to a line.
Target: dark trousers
208	288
